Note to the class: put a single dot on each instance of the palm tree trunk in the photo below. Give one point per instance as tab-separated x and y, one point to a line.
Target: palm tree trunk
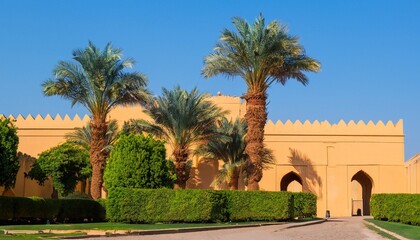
256	117
234	180
182	173
97	156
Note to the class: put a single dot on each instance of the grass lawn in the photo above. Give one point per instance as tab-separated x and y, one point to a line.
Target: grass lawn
382	233
37	236
114	226
405	230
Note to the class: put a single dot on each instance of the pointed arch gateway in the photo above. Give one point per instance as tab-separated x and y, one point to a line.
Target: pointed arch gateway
361	192
291	178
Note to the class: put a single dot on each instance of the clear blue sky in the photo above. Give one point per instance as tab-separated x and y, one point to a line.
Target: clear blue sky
369	50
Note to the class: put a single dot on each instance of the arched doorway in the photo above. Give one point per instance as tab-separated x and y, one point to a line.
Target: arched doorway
361	184
291	182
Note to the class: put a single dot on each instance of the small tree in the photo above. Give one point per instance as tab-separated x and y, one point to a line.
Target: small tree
139	162
66	164
9	164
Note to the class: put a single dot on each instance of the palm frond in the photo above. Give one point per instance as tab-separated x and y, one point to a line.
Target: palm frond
229	147
261	54
98	80
82	136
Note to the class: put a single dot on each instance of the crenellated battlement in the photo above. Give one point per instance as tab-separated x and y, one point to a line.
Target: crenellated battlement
340	128
48	121
279	127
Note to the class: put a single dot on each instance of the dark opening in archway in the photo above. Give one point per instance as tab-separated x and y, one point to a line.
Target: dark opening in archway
288	179
364	191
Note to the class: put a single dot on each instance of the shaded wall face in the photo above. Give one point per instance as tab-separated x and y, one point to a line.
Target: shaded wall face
412	167
356	198
365	183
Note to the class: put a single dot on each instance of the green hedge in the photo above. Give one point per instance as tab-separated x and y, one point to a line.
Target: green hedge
167	205
404	208
19	209
304	205
259	205
164	205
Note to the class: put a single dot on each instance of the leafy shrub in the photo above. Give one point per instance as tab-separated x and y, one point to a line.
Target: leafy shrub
9	164
39	209
304	205
7	208
404	208
259	205
76	210
139	162
78	195
66	164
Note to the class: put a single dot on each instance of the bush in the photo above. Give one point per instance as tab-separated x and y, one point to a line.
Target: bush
404	208
7	208
259	205
304	205
77	210
137	161
66	164
19	209
164	205
79	195
9	164
167	205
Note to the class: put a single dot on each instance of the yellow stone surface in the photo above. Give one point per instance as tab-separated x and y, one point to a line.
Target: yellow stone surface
341	163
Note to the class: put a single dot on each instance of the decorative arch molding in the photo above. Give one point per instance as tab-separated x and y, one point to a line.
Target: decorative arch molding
288	178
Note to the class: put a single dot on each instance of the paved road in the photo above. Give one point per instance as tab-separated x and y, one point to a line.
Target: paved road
340	228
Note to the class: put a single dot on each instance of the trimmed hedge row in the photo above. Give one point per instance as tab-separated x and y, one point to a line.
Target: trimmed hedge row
259	205
164	205
304	205
19	209
167	205
404	208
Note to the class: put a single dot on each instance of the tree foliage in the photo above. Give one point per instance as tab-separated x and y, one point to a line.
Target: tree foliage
139	161
182	119
66	164
9	164
82	136
230	148
261	55
98	80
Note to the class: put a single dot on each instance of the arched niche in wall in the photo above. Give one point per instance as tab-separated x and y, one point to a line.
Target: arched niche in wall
291	182
361	184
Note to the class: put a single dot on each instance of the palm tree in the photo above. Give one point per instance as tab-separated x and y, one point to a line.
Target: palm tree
81	136
98	81
182	119
230	148
261	55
